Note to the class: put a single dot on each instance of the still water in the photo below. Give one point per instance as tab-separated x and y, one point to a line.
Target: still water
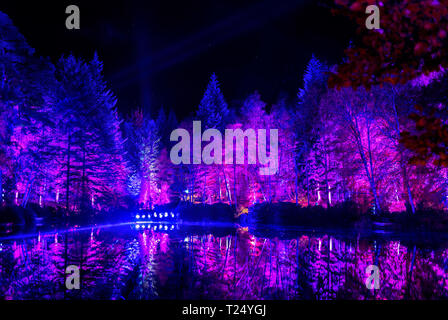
220	262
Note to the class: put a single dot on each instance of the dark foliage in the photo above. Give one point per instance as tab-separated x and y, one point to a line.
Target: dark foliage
284	213
203	212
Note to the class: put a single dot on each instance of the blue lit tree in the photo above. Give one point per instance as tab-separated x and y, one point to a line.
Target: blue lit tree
213	113
165	125
107	151
92	150
306	117
213	110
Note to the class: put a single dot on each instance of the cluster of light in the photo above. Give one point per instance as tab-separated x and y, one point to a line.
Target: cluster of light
159	215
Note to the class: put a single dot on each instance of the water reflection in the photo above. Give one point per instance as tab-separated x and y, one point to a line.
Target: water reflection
235	263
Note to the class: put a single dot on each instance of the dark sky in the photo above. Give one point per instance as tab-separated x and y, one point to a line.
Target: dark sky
161	53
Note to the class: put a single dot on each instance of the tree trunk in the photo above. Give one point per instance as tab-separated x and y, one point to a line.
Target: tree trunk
83	187
234	186
226	184
297	183
307	183
407	189
372	173
1	188
204	188
219	185
149	190
28	189
193	186
369	172
371	183
327	184
67	186
406	186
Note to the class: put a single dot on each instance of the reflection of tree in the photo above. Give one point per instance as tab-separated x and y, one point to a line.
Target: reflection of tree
429	279
30	270
101	266
156	265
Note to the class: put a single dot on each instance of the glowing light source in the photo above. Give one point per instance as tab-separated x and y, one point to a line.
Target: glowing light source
137	216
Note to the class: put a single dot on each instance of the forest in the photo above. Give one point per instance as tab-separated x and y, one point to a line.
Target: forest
381	144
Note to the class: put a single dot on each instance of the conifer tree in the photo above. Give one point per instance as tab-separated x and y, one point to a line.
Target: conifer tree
213	110
306	118
213	113
92	150
143	146
26	90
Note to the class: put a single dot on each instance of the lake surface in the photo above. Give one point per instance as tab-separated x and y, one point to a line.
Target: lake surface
220	262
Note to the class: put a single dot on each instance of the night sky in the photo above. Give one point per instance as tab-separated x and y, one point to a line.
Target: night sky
161	53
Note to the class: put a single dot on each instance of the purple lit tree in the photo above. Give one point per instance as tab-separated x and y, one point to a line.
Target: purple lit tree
305	129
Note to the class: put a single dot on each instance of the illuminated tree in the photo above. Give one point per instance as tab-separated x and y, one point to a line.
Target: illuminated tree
355	111
306	117
143	147
213	113
410	44
213	110
26	95
91	150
